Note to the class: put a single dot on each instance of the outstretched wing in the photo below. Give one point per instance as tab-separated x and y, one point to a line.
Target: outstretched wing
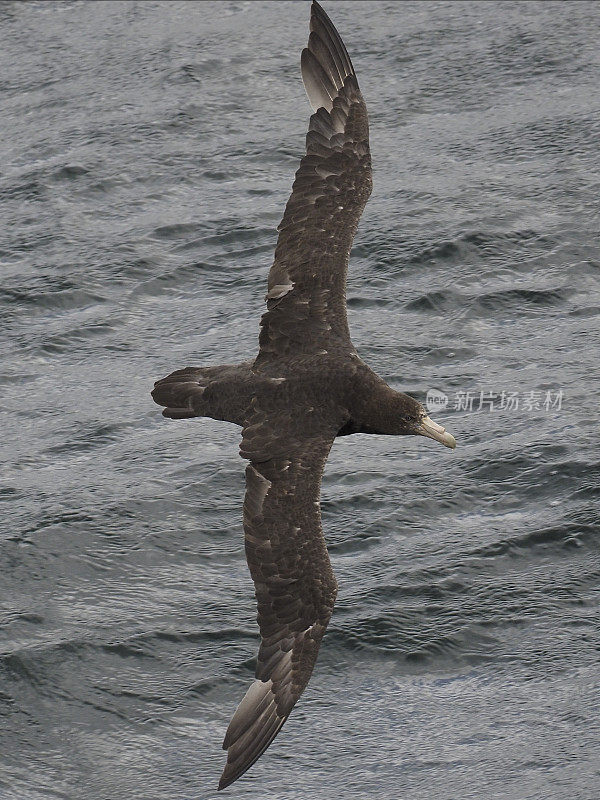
288	560
306	297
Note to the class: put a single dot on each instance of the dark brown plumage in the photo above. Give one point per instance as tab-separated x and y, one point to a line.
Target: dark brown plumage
306	386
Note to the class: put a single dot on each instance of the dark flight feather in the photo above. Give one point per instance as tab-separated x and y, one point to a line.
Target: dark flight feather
306	299
288	560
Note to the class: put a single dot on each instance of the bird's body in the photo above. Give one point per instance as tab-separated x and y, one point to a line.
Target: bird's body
306	386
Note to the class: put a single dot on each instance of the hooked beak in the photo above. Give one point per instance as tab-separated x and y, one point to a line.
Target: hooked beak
432	430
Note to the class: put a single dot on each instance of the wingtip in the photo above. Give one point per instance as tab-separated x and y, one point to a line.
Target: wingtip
320	22
317	10
223	784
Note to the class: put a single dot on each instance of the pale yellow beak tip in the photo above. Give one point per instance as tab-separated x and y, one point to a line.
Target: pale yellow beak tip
432	430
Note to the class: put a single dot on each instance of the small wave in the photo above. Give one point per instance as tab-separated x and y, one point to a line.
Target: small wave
486	247
438	302
371	302
177	231
65	342
32	189
62	300
587	311
564	535
415	641
522	298
69	172
96	436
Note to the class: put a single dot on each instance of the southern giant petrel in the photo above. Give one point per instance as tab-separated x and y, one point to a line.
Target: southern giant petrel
306	386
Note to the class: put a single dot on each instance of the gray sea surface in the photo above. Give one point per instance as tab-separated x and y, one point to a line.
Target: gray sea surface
147	150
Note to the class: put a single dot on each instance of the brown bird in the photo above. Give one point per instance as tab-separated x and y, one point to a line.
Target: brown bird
306	386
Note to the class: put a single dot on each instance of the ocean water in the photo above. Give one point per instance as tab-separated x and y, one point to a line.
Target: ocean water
146	153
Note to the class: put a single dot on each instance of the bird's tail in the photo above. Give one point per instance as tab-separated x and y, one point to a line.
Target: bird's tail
181	393
221	392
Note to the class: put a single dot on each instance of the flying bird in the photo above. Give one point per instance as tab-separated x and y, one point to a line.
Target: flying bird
306	386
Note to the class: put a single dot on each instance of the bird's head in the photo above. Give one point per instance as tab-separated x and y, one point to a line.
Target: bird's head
412	420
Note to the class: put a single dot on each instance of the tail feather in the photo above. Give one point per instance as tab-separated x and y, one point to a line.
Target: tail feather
178	413
180	393
222	391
